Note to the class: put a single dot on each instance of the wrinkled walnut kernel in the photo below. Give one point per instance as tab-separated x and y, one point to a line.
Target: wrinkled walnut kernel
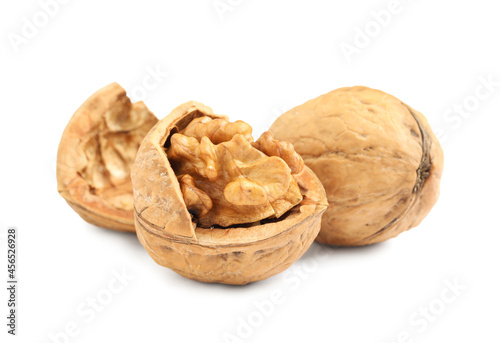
197	201
225	179
284	150
217	130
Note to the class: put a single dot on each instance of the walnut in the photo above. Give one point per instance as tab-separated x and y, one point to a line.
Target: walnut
245	184
284	150
96	152
377	158
217	130
215	206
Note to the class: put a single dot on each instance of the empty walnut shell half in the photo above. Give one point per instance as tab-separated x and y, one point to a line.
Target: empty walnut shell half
215	206
96	152
377	158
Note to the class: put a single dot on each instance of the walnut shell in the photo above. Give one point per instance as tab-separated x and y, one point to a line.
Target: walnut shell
238	254
96	152
377	158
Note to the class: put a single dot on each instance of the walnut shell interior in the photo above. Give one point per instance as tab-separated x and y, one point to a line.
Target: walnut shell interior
378	159
243	251
96	152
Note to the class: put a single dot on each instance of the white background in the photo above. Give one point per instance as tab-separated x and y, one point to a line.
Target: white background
253	62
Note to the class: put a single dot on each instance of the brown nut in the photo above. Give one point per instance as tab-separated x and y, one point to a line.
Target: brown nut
213	207
377	158
95	155
235	182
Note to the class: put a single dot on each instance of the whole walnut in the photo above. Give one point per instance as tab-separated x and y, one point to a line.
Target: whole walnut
378	159
215	206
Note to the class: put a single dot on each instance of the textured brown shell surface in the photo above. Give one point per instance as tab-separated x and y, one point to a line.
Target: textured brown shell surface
157	195
96	209
366	147
232	264
243	254
236	255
